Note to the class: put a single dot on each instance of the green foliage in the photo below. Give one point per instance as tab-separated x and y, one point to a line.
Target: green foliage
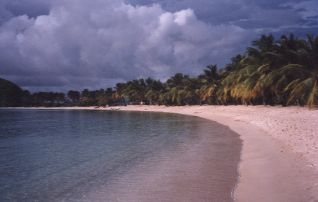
271	72
281	72
47	99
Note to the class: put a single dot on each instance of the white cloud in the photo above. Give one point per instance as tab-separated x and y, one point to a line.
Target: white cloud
83	43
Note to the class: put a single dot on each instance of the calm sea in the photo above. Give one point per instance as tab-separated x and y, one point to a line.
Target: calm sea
66	155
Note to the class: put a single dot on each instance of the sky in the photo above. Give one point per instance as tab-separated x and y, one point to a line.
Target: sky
58	45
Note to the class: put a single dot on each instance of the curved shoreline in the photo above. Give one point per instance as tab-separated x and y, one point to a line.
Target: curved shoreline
275	140
269	170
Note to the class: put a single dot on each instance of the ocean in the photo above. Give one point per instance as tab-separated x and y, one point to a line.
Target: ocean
68	155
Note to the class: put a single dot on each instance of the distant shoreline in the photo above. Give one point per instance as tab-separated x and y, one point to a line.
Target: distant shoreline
275	140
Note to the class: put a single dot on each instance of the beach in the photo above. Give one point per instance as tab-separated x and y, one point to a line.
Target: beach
159	101
280	148
279	158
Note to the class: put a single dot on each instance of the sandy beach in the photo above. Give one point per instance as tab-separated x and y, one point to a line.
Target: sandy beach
279	159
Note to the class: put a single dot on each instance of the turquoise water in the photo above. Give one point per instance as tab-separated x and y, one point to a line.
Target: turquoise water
62	155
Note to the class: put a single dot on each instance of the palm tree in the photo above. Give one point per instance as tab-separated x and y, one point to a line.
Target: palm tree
283	71
294	78
209	83
303	86
153	90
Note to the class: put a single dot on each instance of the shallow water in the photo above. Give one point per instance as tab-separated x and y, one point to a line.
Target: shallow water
109	156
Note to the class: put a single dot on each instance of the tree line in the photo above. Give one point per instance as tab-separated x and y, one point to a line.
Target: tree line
270	72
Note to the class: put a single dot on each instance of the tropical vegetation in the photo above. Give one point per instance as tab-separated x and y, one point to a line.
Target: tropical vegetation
270	72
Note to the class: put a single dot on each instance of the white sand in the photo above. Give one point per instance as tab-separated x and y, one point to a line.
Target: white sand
279	159
294	126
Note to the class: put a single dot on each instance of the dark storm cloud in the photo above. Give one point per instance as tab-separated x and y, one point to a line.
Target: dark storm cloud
32	8
79	43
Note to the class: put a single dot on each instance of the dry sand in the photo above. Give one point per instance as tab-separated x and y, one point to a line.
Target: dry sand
279	159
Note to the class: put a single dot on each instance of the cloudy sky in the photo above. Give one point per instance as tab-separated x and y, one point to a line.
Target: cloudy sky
75	44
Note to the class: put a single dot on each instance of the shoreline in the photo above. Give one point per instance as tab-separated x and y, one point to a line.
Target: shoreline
262	152
275	139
